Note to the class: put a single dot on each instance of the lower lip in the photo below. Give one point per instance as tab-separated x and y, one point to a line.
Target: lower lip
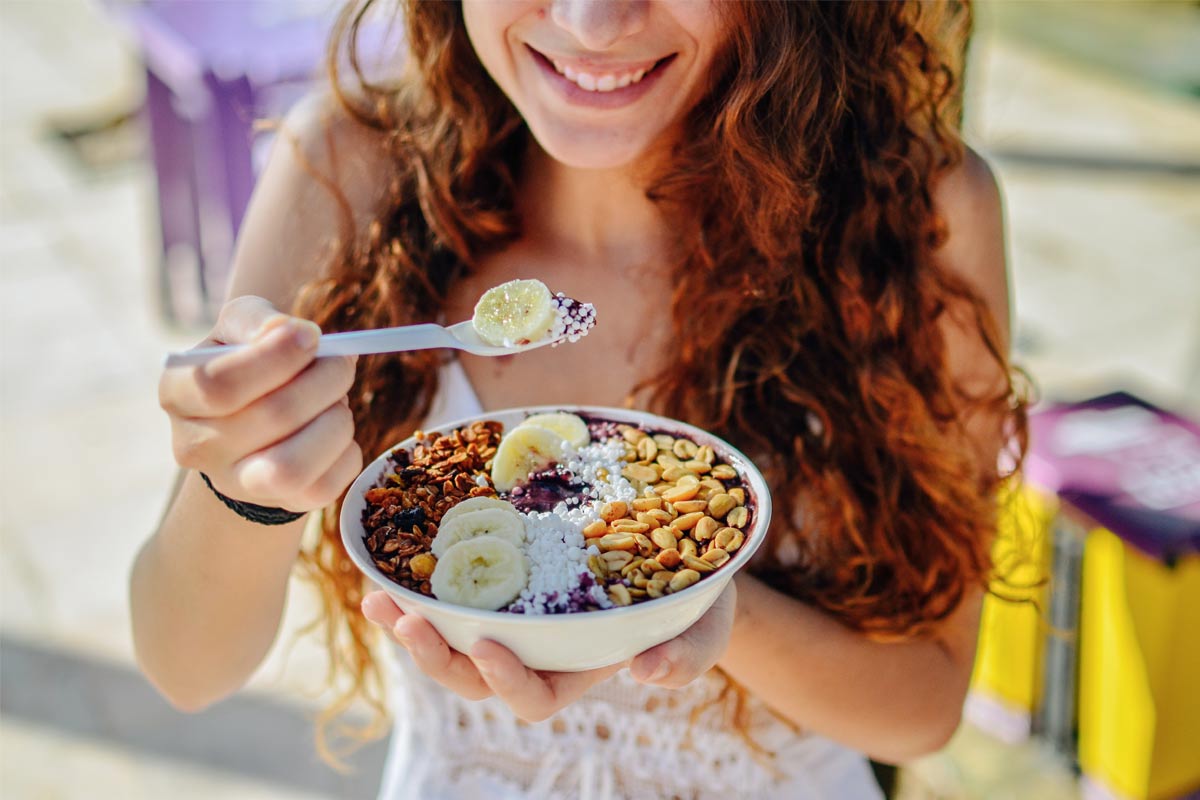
617	98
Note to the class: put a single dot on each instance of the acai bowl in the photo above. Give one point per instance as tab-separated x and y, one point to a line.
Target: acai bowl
575	536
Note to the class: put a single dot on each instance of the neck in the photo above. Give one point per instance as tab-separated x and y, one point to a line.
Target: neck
597	216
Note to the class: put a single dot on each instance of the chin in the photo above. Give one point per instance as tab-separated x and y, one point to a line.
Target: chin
591	149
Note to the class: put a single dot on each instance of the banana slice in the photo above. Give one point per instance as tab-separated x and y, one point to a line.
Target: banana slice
524	449
517	312
497	522
478	504
485	572
568	426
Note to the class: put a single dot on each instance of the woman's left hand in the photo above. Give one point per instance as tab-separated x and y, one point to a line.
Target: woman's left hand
492	669
677	662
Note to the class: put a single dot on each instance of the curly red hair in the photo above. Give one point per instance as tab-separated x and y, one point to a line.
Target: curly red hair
806	305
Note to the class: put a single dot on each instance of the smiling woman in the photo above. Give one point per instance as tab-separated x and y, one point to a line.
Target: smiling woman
598	84
787	245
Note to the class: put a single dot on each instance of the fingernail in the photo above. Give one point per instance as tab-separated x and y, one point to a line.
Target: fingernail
306	334
270	325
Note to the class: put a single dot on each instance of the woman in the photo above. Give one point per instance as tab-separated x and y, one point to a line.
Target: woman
786	244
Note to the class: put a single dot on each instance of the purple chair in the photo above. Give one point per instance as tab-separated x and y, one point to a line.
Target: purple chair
212	70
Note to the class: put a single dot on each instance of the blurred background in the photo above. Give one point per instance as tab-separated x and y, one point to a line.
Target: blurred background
127	152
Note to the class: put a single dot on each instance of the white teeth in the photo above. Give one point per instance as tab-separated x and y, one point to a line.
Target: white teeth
607	82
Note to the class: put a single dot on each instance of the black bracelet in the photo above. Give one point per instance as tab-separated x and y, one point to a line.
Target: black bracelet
263	515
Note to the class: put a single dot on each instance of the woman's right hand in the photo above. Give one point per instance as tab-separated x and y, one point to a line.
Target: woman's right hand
269	424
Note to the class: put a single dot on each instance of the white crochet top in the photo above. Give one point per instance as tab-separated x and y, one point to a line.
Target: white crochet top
622	739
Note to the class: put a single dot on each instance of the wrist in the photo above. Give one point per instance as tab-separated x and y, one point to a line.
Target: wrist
253	512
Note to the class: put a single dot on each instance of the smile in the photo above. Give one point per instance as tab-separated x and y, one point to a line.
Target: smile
598	85
601	82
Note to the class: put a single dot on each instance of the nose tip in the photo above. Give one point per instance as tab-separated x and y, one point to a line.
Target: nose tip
599	24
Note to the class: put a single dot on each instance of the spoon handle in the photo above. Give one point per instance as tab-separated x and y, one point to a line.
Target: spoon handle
351	343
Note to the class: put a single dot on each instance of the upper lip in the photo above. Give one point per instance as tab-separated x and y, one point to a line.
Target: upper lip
597	66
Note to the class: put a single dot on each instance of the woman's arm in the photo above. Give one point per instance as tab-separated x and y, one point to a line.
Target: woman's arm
893	701
207	590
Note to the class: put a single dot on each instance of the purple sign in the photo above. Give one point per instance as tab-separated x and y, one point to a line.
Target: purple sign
1129	466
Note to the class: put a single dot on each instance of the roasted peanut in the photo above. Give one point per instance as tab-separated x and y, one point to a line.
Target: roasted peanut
723	472
704	529
721	504
738	517
647	503
614	560
679	493
663	538
683	579
640	472
685	522
616	541
610	512
684	449
669	558
597	566
729	539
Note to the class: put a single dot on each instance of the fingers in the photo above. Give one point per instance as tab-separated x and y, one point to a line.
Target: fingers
245	318
289	468
676	663
232	381
379	608
436	659
429	650
532	696
266	421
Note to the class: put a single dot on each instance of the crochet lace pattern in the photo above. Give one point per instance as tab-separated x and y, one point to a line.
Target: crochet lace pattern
621	740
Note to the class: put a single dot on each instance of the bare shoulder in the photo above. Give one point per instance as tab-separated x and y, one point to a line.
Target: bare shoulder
968	199
326	177
339	149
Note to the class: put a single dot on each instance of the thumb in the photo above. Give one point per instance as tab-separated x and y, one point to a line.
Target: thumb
245	319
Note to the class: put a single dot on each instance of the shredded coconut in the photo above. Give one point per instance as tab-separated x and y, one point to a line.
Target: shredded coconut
559	578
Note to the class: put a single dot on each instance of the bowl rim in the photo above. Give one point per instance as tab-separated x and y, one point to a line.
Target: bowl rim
353	542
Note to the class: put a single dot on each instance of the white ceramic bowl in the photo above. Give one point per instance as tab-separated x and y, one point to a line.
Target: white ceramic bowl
583	640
